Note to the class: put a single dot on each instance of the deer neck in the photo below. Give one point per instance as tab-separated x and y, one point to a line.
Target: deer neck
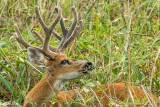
45	89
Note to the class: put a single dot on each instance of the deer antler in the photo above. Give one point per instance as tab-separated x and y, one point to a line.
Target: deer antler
47	30
48	50
68	35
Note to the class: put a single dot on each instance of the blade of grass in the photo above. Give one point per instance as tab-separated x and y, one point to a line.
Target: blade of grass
5	82
8	69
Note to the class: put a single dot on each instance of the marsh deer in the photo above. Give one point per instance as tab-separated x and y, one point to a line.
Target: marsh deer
60	68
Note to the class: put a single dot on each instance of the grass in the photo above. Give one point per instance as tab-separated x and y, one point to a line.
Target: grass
121	37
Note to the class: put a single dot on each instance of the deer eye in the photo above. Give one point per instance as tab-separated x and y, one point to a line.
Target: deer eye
64	62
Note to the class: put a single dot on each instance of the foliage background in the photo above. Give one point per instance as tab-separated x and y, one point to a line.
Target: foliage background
121	37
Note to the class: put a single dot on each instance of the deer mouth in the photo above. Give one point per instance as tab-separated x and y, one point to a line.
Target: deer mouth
87	70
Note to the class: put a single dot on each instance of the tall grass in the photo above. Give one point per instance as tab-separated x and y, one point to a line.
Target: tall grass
121	37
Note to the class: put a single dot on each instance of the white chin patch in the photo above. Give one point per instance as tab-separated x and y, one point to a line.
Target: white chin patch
71	75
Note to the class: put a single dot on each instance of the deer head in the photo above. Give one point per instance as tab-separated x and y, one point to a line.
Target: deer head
53	58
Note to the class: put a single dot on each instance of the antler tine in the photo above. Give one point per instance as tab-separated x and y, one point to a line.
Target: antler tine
40	19
64	32
41	39
38	35
57	35
67	33
71	38
75	20
56	20
48	30
19	37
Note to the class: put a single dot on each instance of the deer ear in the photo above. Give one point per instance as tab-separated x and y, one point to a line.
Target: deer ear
37	57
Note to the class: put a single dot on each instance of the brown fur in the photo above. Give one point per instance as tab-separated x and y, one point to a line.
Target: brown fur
106	92
45	89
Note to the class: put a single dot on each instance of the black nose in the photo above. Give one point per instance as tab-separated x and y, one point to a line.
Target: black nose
89	65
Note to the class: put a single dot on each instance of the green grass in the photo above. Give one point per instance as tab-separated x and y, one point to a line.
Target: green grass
122	38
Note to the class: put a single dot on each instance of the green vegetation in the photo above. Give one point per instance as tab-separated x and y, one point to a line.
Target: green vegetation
121	37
